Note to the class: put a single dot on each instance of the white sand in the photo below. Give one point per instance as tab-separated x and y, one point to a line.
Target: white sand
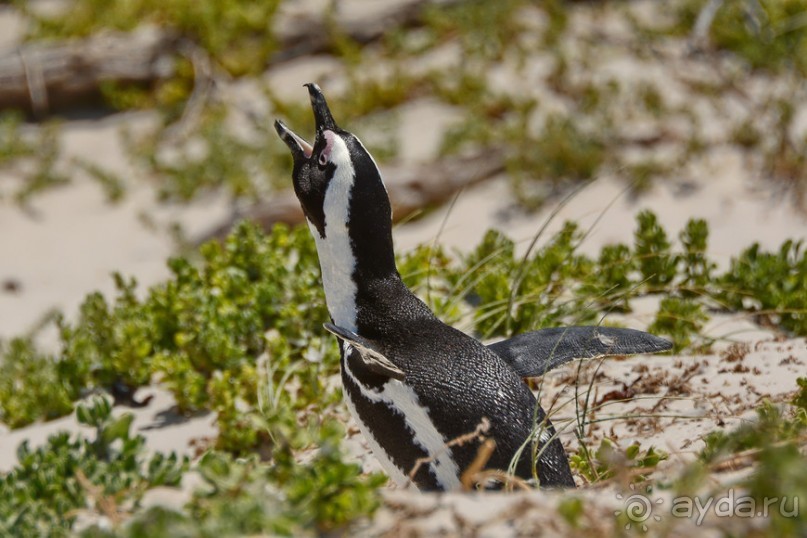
737	214
73	240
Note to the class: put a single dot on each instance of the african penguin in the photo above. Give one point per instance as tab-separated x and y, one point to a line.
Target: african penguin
412	383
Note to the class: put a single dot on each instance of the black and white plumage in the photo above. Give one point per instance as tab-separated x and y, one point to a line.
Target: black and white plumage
411	382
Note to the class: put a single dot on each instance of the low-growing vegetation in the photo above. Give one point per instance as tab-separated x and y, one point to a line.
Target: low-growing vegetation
774	445
767	455
769	34
254	304
54	484
237	333
33	152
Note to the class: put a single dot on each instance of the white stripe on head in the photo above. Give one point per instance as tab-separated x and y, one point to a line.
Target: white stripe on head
400	397
336	257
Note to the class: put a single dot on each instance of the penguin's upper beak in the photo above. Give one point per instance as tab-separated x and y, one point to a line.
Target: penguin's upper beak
300	149
322	114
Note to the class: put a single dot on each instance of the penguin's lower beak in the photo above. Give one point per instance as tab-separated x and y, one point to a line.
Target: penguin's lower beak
300	149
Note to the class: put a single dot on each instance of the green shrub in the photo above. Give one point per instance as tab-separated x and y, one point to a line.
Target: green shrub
769	38
238	333
50	485
202	332
609	461
34	386
234	32
775	443
241	497
772	285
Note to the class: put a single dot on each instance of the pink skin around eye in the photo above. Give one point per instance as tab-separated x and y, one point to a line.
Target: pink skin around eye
325	154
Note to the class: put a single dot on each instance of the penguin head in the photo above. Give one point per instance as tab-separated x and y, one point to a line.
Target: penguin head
337	160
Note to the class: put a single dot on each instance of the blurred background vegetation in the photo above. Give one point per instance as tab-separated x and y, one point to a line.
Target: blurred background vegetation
536	78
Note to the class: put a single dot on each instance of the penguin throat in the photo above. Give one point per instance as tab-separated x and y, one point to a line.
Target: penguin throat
355	242
337	259
337	263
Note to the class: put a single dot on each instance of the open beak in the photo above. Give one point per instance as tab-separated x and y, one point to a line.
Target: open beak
300	149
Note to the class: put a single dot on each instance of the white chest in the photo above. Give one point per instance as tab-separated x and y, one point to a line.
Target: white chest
337	264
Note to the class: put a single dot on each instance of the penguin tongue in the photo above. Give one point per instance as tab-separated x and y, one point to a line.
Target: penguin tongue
307	148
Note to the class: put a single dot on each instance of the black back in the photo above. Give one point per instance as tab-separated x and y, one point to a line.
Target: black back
458	379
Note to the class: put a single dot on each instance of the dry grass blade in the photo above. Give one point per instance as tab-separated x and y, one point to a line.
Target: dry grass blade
747	458
510	481
105	503
470	476
523	265
478	434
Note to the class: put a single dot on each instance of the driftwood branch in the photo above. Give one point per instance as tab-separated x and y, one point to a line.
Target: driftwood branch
41	76
304	32
410	187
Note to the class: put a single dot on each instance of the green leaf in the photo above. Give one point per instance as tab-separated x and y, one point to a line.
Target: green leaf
117	428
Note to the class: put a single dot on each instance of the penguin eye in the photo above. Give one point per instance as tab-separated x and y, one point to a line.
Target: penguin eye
323	159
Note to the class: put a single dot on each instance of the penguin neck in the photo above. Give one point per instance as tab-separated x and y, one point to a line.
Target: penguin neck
356	252
350	267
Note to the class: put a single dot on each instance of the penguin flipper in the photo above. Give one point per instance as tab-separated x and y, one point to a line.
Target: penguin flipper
374	359
534	353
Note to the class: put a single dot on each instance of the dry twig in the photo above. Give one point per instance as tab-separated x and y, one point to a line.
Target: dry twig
478	434
410	187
